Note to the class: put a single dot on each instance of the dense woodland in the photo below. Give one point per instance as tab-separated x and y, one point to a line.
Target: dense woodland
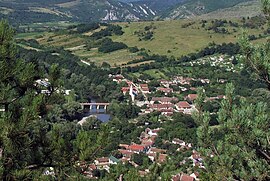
40	131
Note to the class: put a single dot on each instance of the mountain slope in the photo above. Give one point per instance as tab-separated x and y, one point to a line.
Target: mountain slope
159	5
245	9
193	8
76	10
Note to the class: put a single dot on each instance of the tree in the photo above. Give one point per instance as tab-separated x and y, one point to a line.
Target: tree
21	108
257	57
240	146
29	140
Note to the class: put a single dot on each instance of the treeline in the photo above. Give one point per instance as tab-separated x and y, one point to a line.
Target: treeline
109	31
82	28
83	79
108	46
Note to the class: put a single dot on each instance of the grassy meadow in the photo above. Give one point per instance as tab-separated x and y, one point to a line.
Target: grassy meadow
171	38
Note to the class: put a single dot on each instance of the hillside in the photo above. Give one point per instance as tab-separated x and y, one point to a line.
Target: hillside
72	10
31	11
245	9
172	38
194	8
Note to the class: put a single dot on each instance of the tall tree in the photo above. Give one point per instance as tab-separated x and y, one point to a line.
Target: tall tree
240	145
21	107
257	57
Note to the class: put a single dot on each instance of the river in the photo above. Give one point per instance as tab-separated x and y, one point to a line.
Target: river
100	114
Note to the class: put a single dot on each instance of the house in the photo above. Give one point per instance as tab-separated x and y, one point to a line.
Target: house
191	97
113	160
118	78
166	83
144	88
126	153
185	177
137	148
195	175
183	106
127	89
182	177
124	146
147	142
151	132
162	158
165	90
177	141
159	107
156	150
167	112
102	163
164	100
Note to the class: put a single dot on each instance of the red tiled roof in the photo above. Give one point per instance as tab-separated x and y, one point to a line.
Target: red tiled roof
164	99
185	177
192	97
162	158
136	147
124	146
125	89
143	85
126	152
161	106
183	104
103	159
164	89
157	150
92	166
167	110
176	177
145	89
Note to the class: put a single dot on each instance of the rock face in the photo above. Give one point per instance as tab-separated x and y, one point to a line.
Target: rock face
28	11
77	10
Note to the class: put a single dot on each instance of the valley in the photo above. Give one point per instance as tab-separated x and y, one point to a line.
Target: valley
173	38
135	90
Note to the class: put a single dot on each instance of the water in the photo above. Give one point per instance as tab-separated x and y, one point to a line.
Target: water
100	114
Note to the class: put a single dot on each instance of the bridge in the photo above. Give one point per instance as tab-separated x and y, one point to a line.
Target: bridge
91	105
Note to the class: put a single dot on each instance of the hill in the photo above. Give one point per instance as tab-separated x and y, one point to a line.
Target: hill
245	9
31	11
172	38
28	11
194	8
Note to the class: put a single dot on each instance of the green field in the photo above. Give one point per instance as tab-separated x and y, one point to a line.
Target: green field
116	58
169	38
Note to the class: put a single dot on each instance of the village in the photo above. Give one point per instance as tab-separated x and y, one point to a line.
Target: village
166	105
146	148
